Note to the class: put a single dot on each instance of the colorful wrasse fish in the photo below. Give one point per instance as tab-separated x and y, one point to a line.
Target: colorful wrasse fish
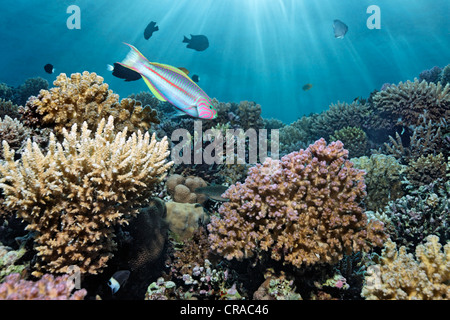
171	84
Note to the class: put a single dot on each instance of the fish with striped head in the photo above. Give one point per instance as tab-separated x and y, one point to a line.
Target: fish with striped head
171	84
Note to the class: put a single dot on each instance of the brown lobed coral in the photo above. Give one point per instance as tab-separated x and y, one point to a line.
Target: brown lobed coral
182	189
85	98
401	276
302	210
75	194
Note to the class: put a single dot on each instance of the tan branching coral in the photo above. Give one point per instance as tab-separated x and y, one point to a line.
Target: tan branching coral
400	276
405	102
75	194
85	97
426	169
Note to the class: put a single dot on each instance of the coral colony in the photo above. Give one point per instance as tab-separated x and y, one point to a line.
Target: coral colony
350	203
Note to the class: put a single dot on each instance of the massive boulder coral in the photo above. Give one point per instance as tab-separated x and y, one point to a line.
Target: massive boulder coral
73	196
401	276
85	97
405	102
303	209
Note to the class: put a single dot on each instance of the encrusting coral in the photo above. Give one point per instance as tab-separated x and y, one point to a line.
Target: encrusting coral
400	276
75	194
182	189
303	210
354	140
85	98
46	288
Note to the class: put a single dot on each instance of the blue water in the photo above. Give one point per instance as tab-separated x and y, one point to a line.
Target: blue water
260	50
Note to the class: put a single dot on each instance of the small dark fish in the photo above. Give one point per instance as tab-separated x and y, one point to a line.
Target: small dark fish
307	87
118	280
195	78
340	29
213	192
152	27
198	42
49	68
121	72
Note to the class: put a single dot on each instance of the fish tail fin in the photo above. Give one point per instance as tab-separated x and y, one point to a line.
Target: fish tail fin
109	67
185	40
134	60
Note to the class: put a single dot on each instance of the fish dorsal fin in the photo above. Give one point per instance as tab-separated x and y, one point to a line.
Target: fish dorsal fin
153	89
176	70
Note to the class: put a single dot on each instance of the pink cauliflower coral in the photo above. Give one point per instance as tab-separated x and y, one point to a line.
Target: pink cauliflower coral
303	209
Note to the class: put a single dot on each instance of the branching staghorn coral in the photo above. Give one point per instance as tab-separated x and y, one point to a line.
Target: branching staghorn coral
401	276
85	97
13	132
405	102
302	210
75	194
425	170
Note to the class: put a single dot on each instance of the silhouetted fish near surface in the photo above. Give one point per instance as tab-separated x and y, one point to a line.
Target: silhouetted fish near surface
198	42
151	27
307	86
122	72
340	29
213	192
195	78
118	280
49	68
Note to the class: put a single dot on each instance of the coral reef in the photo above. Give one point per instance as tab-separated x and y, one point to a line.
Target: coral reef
354	140
149	233
182	189
383	179
184	219
431	75
249	114
85	98
425	211
445	75
31	87
13	132
303	210
7	108
47	288
8	259
75	194
401	276
276	288
426	169
337	117
6	92
405	102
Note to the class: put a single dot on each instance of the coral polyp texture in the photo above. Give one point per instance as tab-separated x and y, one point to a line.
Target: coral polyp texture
405	102
401	276
303	210
46	288
74	195
85	97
